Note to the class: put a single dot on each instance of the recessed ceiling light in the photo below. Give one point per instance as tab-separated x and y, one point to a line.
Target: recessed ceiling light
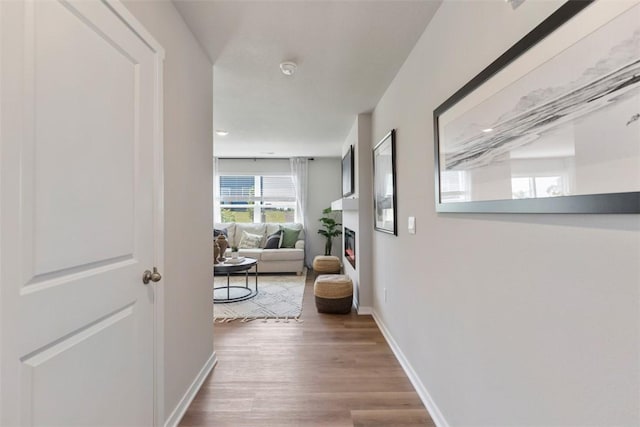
487	130
288	68
222	132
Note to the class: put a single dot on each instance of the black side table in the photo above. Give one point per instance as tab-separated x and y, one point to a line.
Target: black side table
244	291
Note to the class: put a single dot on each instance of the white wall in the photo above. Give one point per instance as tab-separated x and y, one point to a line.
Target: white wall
506	319
361	220
324	182
254	166
188	154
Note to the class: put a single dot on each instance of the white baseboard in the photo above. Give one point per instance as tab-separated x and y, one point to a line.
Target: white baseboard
181	408
361	309
428	402
365	310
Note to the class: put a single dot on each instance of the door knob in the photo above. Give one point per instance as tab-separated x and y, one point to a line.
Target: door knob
149	276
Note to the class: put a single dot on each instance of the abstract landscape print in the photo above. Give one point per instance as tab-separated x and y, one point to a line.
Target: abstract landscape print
563	119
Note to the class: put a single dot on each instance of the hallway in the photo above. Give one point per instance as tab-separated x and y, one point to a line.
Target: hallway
329	370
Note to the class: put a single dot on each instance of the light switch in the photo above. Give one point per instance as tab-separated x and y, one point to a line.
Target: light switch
412	225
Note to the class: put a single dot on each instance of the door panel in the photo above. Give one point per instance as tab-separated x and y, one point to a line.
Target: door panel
79	111
92	138
50	389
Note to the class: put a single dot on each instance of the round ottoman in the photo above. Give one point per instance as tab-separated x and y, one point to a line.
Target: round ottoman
323	264
334	293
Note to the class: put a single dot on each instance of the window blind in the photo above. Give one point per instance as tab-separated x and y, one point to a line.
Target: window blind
237	188
257	188
278	189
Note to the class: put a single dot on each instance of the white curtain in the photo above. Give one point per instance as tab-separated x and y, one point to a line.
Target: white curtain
299	175
216	190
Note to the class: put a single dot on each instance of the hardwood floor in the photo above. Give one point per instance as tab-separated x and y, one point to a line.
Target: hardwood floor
330	370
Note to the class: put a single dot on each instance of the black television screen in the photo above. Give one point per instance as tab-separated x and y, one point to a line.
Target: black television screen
347	173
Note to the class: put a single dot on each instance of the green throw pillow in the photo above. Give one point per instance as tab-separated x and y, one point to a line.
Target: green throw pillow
289	237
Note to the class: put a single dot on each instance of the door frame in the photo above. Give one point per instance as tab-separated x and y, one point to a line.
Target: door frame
136	26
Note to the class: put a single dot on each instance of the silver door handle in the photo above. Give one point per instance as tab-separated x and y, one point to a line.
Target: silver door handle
149	276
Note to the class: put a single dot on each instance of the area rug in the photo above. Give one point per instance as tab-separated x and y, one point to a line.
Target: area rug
279	297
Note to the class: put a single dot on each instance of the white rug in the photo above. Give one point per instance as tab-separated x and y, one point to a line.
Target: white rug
279	296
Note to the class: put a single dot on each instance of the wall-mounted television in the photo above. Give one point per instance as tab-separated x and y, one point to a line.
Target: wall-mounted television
348	181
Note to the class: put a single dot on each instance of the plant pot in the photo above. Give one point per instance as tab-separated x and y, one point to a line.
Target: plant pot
328	247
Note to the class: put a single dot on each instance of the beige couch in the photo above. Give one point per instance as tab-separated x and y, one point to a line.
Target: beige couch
283	260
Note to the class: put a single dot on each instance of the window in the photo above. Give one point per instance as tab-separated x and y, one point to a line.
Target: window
537	186
454	186
255	198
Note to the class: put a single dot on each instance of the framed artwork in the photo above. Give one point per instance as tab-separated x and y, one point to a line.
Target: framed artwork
552	125
384	185
348	170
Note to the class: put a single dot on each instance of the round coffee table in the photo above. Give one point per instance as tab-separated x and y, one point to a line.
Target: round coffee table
224	294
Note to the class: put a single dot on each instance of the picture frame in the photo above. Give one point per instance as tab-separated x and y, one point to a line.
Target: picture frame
384	185
348	172
551	126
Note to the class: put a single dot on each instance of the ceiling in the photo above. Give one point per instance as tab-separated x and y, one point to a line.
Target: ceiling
347	54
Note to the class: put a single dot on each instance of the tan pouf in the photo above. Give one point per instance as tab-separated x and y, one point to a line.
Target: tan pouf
334	293
323	264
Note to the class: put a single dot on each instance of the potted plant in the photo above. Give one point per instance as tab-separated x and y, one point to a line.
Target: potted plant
234	252
331	229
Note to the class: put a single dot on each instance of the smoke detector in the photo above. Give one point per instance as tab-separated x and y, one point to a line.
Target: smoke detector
288	68
515	3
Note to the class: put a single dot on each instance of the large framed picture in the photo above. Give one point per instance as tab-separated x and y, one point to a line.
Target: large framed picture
552	125
384	184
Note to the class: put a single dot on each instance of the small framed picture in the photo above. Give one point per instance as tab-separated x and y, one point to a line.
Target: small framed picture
384	185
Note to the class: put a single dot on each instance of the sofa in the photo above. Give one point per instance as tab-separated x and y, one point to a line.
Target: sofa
281	260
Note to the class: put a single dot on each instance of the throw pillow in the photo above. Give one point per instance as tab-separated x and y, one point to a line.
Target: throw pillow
250	241
289	237
219	231
273	240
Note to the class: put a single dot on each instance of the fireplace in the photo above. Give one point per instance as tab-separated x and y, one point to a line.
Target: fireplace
350	246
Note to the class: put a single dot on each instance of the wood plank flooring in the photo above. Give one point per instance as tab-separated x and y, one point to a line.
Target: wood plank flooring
329	371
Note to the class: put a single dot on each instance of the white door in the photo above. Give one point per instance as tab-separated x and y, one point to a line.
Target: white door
79	141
